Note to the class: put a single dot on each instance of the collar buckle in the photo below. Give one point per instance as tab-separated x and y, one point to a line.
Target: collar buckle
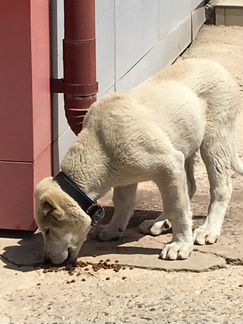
97	213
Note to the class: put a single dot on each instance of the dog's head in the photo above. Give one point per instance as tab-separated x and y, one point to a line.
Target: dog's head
63	223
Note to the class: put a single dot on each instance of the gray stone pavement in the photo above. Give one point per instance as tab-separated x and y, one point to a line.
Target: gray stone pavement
206	288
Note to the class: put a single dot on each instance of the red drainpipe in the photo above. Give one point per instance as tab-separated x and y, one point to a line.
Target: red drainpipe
79	55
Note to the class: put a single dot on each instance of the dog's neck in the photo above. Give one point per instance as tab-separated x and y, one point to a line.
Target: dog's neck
84	164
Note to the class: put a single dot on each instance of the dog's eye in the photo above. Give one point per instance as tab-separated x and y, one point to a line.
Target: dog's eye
47	231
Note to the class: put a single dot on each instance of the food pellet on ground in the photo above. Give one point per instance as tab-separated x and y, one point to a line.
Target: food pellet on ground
88	267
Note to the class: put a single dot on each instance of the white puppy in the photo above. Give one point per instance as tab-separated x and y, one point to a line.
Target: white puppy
150	133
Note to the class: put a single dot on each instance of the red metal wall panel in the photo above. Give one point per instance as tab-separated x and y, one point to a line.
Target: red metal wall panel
40	54
25	110
16	195
15	82
18	181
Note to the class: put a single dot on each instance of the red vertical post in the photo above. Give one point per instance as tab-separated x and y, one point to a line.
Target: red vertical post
25	110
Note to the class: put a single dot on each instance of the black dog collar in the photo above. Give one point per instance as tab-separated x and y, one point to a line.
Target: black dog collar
95	211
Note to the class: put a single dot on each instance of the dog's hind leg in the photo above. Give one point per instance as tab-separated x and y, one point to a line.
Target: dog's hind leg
189	167
161	225
217	158
155	226
124	204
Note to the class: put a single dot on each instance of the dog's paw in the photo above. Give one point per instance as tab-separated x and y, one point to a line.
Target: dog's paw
154	228
108	234
95	231
203	235
176	251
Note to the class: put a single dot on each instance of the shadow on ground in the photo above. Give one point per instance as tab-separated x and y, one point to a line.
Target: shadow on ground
22	252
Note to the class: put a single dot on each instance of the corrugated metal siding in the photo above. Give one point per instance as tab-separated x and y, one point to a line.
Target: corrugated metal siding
137	38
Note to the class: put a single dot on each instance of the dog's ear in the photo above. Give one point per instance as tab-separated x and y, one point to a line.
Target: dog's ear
51	208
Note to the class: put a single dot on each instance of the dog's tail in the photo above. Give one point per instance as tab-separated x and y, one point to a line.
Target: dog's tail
236	163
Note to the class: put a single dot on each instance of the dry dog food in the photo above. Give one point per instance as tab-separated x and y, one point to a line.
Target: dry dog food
71	281
87	267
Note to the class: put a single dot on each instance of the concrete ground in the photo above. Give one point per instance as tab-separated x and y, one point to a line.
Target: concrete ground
206	288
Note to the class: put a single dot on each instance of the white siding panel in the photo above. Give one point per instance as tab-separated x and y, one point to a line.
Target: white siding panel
105	44
198	19
163	54
136	31
60	148
59	119
196	3
171	13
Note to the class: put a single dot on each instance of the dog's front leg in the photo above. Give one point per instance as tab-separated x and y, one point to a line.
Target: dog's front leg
173	187
124	203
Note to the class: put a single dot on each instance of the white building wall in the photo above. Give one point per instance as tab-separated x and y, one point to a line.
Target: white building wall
135	39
